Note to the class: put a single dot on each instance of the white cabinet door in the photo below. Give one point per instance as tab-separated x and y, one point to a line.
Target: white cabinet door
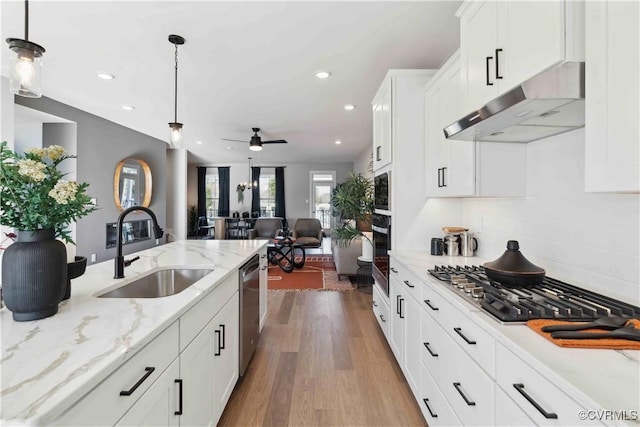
226	356
382	125
412	342
196	371
612	128
160	404
478	41
436	152
397	320
264	266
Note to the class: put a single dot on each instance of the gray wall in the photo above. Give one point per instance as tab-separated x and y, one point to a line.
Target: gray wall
297	186
101	144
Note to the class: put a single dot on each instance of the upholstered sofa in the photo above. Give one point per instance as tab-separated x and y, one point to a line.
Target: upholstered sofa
308	232
345	256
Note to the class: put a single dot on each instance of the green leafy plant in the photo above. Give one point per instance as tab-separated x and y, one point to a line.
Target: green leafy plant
35	195
240	192
353	200
192	218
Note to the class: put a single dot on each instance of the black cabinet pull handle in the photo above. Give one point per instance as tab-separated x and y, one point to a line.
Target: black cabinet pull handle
467	401
426	403
489	58
264	267
426	344
498	76
382	318
428	302
263	256
548	415
179	411
375	304
459	332
393	270
398	304
444	181
406	282
224	337
140	381
401	315
217	353
439	182
378	157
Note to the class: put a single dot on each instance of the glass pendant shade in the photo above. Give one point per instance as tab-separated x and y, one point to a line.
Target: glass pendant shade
255	146
25	65
176	134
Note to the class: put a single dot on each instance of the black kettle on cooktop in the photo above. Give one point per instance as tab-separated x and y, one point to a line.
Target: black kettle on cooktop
512	268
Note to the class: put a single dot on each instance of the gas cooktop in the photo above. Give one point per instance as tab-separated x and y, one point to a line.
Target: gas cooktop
552	299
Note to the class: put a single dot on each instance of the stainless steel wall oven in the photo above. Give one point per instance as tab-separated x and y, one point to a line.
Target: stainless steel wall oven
381	244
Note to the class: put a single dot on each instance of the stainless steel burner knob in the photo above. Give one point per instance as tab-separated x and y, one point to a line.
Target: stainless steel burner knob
477	292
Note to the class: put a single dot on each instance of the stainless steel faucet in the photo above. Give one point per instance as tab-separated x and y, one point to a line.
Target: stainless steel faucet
120	263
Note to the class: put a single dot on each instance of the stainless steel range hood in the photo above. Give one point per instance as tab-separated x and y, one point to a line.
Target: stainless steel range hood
548	104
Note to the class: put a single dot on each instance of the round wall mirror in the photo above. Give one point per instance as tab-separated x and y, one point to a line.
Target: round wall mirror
132	184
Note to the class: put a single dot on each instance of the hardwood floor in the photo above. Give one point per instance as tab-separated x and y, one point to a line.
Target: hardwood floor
322	360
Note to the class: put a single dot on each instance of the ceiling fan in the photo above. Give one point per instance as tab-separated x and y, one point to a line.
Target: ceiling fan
256	142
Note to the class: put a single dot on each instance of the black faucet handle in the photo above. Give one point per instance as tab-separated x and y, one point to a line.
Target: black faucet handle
128	262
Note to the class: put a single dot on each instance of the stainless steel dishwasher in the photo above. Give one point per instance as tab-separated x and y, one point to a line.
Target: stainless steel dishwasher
249	310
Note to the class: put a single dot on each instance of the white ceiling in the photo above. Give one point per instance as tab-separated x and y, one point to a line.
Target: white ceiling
244	64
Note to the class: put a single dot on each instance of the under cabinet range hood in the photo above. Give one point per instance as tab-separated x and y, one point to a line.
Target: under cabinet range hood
548	104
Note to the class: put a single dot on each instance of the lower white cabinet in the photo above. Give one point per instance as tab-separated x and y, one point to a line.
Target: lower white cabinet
226	355
508	413
381	309
433	404
161	405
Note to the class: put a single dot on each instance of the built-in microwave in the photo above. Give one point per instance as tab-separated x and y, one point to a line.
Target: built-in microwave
381	245
382	191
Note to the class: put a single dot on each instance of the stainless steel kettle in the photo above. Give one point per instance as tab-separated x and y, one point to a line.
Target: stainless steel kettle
468	244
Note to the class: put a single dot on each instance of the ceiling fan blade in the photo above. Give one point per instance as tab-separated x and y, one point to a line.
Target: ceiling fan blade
276	141
234	140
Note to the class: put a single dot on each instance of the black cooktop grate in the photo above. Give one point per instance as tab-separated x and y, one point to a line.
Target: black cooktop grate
552	299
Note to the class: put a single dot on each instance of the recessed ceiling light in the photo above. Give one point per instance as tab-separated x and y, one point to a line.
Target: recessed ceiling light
199	142
106	76
323	74
229	148
128	107
349	107
338	142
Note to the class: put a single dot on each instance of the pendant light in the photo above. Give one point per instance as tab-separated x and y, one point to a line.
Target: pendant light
175	127
25	63
251	184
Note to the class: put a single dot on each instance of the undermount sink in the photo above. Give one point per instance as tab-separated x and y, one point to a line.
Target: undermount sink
158	284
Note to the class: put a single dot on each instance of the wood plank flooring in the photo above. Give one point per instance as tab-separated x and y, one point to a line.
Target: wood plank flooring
322	360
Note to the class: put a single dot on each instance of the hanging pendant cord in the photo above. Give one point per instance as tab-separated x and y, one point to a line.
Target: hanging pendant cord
176	89
26	20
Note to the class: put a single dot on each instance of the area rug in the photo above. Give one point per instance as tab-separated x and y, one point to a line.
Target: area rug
318	273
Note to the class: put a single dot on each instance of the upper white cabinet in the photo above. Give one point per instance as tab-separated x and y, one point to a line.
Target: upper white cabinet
504	43
612	109
465	168
382	124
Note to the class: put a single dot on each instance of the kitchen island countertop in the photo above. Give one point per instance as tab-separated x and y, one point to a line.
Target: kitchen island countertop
49	364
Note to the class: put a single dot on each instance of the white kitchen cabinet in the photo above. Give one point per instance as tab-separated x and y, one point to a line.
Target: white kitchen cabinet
504	43
382	125
264	271
226	355
612	104
381	309
508	413
433	404
119	392
465	168
161	404
396	326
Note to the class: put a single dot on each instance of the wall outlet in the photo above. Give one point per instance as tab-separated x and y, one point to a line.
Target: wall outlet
93	257
157	241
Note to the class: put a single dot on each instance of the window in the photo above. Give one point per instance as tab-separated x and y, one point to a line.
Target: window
212	190
267	192
322	184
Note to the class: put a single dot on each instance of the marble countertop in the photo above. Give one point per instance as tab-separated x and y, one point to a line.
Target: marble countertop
599	379
48	364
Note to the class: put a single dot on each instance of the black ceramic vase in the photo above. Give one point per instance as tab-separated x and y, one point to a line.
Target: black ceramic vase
34	275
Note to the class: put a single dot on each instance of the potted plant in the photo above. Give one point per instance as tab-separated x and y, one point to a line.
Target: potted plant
192	219
352	203
40	205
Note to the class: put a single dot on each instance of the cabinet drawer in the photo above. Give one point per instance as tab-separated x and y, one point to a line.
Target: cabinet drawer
434	352
192	322
381	310
410	283
434	304
542	401
104	402
467	388
472	338
508	413
434	406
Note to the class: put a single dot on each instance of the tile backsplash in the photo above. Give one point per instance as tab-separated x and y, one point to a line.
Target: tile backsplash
589	239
